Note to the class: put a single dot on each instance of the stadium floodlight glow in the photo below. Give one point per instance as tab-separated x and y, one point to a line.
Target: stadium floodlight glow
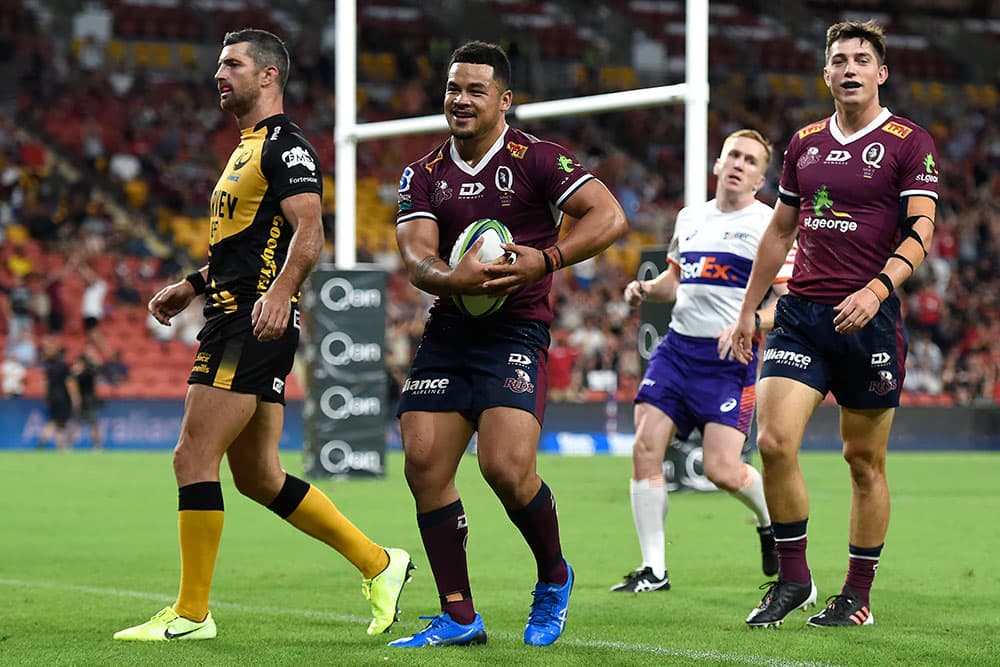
693	93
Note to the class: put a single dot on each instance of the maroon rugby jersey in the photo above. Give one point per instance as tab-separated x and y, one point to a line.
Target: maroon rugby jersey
849	192
517	182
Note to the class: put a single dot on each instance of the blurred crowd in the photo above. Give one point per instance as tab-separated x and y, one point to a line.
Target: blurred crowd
101	157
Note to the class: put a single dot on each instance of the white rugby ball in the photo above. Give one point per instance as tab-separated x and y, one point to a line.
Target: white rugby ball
494	233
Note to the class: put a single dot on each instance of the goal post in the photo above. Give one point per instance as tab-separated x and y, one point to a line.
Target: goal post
693	92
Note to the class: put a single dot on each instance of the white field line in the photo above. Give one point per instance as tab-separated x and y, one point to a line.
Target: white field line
713	657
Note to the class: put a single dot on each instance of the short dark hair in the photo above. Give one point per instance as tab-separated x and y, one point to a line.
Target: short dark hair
266	50
484	53
867	31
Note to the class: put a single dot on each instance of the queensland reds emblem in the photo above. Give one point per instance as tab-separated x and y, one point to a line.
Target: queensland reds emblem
884	384
504	180
521	384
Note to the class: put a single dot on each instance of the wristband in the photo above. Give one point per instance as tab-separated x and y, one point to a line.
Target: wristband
882	280
553	258
756	321
642	290
197	282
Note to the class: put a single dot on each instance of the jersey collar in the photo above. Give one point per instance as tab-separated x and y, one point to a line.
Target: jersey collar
494	149
842	140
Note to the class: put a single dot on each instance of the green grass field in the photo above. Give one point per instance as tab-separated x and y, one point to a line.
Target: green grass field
88	546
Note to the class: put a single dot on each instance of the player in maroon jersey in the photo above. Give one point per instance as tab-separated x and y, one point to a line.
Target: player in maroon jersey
489	374
859	190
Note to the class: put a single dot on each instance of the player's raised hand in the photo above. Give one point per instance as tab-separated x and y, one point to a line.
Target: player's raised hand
171	300
855	311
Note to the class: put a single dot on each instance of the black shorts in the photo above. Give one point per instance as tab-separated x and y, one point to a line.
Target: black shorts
230	357
863	370
60	411
467	366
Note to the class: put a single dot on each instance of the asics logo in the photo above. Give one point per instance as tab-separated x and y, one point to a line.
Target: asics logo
176	635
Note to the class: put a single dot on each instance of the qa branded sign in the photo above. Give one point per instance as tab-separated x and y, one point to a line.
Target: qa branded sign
345	407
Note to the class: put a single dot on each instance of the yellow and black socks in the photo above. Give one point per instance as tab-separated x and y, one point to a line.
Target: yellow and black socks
199	529
308	509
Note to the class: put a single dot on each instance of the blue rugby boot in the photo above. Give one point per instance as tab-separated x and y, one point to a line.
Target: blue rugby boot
443	631
547	617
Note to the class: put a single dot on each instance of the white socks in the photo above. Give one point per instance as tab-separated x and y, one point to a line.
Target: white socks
752	495
649	510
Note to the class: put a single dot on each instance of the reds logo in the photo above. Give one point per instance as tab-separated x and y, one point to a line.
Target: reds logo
521	384
884	384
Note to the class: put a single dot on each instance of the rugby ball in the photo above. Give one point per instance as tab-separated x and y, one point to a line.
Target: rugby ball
494	233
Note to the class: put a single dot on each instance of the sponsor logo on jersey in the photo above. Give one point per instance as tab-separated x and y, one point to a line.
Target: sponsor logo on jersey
269	267
521	384
705	267
898	129
728	405
812	129
837	155
437	158
884	384
428	386
278	385
648	382
517	150
470	190
811	156
567	164
788	358
277	131
822	200
298	156
930	170
243	159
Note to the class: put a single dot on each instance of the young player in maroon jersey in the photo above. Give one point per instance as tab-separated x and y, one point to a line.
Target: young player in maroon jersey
859	189
489	374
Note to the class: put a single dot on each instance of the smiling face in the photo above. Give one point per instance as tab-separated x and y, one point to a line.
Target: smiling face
740	168
474	105
853	73
237	79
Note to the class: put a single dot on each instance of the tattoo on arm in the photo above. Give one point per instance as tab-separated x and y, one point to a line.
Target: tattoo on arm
425	266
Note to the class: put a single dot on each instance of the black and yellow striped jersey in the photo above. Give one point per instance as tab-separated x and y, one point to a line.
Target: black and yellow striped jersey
249	236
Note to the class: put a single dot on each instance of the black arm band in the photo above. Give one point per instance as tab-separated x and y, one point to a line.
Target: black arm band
904	260
548	262
913	234
912	220
756	321
197	281
884	279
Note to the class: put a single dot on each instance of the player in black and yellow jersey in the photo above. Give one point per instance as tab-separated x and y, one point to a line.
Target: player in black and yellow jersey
266	236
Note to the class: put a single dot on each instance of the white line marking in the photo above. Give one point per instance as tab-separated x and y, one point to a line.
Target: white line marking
690	654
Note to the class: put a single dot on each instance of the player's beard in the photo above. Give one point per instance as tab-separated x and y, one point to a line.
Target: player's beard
238	104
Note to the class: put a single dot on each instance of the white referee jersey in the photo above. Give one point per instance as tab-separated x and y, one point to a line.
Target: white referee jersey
714	252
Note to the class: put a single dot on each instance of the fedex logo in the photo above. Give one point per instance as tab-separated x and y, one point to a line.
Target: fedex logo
706	267
715	268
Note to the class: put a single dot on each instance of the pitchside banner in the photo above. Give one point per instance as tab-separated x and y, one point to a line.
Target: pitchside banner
682	465
344	411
